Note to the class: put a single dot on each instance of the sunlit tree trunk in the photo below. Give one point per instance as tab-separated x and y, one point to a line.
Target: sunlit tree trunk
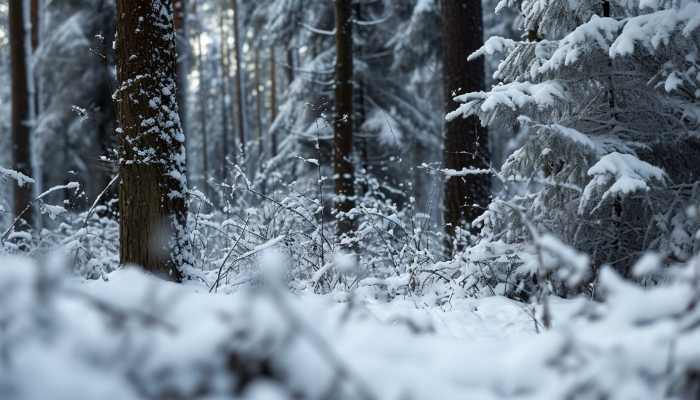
153	186
465	140
21	112
343	127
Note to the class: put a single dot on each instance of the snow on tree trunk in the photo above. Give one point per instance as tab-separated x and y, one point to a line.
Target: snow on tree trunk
21	111
465	140
343	166
152	192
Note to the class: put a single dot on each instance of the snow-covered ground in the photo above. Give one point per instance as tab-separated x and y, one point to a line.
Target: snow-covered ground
136	337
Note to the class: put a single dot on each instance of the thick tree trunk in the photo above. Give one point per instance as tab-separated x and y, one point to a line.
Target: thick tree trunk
153	186
342	140
466	141
239	78
21	114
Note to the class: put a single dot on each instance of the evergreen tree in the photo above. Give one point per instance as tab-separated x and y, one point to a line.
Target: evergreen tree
606	95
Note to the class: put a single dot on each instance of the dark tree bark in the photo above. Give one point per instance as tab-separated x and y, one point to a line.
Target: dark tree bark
34	15
342	140
465	140
258	100
360	113
21	147
290	65
273	100
239	77
273	84
153	186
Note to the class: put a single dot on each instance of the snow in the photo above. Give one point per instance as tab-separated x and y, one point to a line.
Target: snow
578	263
619	175
493	45
514	95
630	173
133	336
653	30
387	128
20	178
575	45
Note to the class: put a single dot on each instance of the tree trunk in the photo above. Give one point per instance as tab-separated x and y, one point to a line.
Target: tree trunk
258	101
465	141
273	99
239	78
203	106
342	139
35	20
233	151
224	94
34	15
290	65
361	114
273	84
153	188
183	62
21	114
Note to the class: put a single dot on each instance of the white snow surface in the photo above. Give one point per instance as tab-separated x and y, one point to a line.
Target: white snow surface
136	337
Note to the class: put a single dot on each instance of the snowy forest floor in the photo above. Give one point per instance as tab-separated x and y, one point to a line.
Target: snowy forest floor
133	336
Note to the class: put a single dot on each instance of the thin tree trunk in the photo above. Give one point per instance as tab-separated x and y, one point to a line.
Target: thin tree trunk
153	188
466	141
34	14
273	99
239	77
258	101
203	106
183	64
35	20
224	94
273	84
342	139
290	65
233	151
21	112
